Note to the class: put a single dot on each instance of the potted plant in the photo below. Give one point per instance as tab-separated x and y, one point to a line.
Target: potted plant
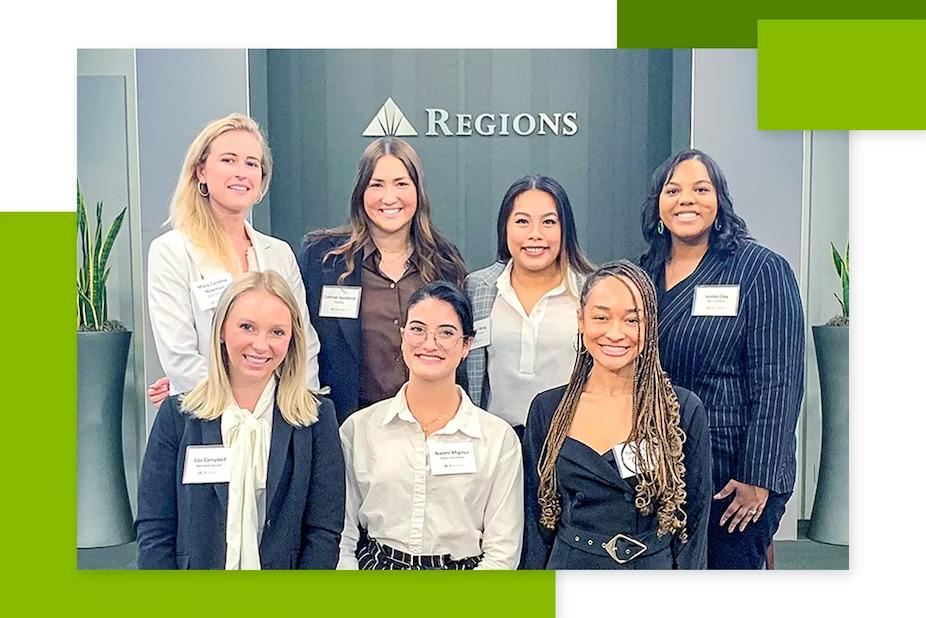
829	522
104	516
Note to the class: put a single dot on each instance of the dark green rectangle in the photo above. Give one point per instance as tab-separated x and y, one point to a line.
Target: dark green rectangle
39	461
852	74
732	23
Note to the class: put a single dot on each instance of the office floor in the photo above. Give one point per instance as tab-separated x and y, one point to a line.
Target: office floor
801	554
806	554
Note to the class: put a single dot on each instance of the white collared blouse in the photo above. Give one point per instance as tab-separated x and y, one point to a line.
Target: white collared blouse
530	353
393	495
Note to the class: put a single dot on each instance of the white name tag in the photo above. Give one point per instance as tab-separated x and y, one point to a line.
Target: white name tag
626	460
207	464
483	333
208	291
716	300
452	458
340	301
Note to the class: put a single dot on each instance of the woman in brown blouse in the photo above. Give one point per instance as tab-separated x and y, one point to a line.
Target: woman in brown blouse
359	277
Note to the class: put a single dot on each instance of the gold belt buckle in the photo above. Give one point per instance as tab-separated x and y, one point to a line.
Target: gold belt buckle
611	548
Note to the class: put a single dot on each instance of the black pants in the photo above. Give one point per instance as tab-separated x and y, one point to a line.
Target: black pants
747	549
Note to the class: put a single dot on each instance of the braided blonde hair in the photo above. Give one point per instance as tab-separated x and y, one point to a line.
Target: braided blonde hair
660	482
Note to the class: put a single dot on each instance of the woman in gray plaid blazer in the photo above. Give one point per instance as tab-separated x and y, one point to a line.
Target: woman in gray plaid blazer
526	342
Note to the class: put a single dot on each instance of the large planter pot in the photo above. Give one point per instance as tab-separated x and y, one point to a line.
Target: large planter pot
104	516
829	522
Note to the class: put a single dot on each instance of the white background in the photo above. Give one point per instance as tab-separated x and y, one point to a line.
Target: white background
888	202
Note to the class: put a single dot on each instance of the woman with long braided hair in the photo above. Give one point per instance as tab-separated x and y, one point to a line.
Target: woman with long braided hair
617	462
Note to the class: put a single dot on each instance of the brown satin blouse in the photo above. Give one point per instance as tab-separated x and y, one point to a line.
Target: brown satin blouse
382	310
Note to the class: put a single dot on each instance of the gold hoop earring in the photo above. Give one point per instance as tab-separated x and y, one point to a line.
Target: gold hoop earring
203	189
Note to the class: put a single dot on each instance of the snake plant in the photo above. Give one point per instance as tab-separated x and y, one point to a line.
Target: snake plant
93	272
842	270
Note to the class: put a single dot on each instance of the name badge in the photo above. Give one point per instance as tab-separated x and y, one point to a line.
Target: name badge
208	291
452	458
716	300
340	301
206	464
626	460
483	334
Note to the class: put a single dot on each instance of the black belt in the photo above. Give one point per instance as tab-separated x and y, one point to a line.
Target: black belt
621	547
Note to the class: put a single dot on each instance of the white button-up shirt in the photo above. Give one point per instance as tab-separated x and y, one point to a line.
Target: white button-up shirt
393	495
529	354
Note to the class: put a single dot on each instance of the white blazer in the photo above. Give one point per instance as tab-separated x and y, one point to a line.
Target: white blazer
182	331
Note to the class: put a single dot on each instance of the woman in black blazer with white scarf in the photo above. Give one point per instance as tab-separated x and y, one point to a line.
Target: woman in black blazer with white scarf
245	471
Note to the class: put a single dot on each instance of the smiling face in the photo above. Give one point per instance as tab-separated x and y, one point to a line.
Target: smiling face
390	199
612	324
534	233
232	172
688	203
256	334
432	341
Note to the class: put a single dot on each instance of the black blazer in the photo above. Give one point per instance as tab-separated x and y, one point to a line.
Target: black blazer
748	369
594	497
183	526
340	360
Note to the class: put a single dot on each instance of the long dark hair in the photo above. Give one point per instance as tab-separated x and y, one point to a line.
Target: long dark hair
732	232
438	257
569	253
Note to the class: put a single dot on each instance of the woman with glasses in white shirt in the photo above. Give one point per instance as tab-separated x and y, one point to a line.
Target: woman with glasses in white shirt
525	303
433	481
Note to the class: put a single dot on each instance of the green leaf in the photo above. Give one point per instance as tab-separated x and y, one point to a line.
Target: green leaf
837	260
842	271
845	294
110	239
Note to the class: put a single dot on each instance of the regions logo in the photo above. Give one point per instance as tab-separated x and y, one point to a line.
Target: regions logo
389	120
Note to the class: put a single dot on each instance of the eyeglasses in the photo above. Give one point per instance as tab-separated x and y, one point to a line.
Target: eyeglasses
444	336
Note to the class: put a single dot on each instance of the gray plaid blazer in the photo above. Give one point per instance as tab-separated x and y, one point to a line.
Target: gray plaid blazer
481	289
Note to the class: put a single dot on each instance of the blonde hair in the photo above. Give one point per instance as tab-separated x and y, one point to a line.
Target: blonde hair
191	213
660	484
297	405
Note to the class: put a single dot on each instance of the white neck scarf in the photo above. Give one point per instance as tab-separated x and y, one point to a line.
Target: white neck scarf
247	435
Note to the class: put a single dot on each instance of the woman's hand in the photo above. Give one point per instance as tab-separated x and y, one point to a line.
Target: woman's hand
747	505
158	391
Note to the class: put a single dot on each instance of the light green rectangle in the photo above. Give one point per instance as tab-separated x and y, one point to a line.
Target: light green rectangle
841	74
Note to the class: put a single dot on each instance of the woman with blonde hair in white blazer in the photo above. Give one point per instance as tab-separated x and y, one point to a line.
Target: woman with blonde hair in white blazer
226	172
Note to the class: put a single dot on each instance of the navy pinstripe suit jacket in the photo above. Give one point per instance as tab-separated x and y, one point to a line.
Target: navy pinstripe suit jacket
748	369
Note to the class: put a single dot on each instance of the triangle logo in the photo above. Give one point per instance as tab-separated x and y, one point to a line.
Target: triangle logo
390	120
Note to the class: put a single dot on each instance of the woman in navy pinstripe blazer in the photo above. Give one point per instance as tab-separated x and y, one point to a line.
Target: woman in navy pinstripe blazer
731	330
